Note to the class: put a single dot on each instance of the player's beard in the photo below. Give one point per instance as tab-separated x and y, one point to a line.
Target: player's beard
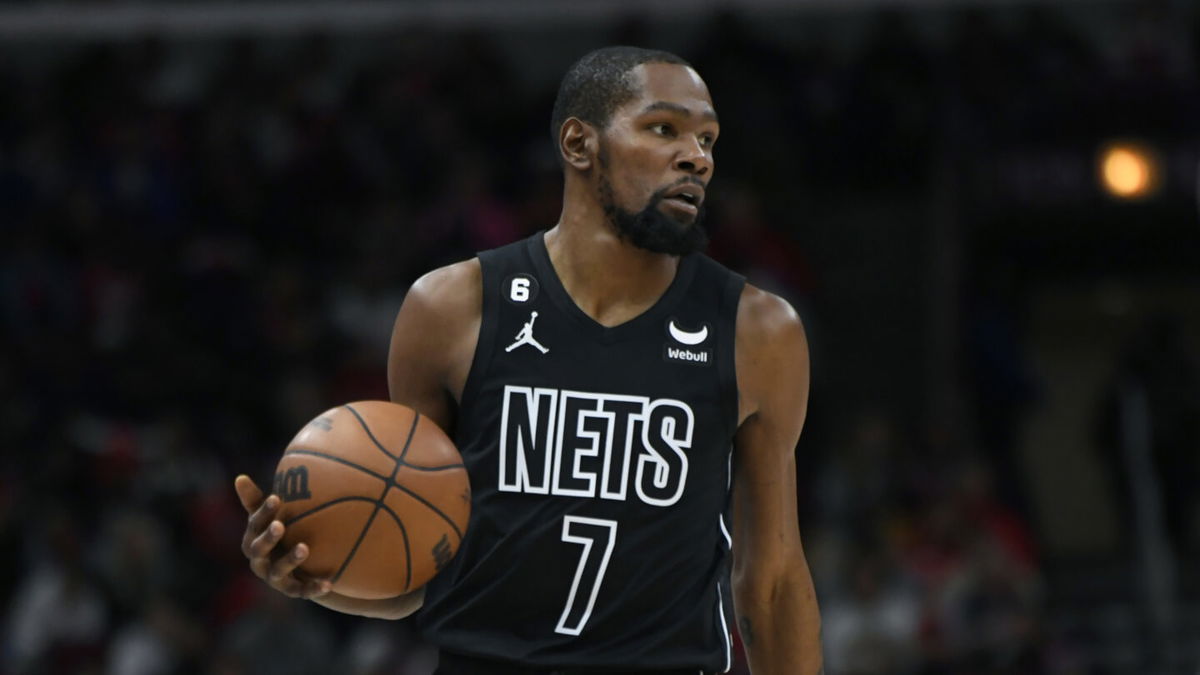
650	228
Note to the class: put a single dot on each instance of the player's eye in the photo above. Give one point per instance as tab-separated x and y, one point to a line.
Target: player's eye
707	140
662	129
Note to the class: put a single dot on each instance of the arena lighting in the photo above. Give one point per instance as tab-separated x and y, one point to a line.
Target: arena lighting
1129	170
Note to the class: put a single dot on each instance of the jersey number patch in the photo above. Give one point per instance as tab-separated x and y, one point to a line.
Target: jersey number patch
520	289
598	537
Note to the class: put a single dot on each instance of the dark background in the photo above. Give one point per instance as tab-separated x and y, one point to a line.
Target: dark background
210	214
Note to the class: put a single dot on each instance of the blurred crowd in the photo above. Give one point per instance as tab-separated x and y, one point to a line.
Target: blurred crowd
206	244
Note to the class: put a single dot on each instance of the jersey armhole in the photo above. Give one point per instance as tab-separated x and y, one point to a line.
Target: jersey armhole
487	338
727	363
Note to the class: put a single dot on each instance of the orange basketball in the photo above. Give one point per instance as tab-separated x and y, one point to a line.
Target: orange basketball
378	493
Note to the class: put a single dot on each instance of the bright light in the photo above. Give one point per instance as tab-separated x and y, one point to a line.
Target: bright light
1128	171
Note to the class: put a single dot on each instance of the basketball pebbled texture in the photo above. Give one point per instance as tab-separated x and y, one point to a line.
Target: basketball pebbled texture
378	493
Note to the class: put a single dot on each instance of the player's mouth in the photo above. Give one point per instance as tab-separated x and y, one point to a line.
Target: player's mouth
681	206
685	198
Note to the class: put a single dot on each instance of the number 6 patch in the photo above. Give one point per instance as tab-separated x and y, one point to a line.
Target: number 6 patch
520	289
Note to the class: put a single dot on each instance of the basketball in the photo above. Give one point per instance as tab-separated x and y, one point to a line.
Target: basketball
378	493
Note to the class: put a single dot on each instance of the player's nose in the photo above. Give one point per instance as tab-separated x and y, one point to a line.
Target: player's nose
694	158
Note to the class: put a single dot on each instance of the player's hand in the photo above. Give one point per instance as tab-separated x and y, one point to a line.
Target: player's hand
260	545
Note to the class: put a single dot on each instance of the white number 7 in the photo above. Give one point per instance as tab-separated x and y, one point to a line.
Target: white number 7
585	531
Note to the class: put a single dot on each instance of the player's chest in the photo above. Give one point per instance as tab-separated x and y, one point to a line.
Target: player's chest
681	345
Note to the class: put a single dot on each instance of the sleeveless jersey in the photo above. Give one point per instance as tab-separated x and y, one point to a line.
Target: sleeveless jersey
599	460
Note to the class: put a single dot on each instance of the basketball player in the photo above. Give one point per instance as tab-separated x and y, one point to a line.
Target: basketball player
605	441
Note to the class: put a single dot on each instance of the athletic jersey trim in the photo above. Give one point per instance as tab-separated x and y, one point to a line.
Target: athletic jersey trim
482	358
725	636
608	334
727	364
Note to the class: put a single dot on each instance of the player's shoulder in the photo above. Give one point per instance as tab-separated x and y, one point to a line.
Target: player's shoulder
446	299
457	289
450	284
771	353
765	318
463	281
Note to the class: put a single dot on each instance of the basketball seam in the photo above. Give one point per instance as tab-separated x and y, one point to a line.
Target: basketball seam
339	460
335	458
414	495
407	552
322	507
403	452
446	467
363	424
431	507
387	509
379	502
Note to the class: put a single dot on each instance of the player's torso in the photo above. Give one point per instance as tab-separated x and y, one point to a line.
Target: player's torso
599	461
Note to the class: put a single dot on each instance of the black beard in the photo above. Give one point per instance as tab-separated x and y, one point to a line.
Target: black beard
650	229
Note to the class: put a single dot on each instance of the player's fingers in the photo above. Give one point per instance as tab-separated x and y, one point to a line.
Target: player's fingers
248	493
315	588
301	588
286	564
289	586
283	574
261	567
262	545
265	514
258	522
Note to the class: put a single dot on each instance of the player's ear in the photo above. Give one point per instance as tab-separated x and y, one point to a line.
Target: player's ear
578	143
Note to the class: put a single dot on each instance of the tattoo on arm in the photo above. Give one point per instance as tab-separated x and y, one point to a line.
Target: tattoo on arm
747	630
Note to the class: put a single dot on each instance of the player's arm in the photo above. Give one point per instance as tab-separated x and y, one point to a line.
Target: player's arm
433	341
774	598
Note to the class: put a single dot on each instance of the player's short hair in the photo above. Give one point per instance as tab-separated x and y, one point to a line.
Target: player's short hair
599	83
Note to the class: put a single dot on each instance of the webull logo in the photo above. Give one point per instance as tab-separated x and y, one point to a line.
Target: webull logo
701	357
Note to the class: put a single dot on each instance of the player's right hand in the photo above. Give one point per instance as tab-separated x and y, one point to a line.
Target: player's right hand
260	545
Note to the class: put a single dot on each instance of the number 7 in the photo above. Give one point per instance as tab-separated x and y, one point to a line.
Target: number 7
585	531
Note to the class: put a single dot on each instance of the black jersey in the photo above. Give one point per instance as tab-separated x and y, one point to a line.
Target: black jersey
600	467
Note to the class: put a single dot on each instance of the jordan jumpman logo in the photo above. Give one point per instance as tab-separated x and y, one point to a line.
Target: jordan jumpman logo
525	337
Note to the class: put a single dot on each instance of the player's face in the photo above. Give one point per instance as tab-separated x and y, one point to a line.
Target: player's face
656	158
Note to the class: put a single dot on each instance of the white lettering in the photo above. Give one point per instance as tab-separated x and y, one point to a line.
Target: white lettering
666	434
581	444
687	355
527	439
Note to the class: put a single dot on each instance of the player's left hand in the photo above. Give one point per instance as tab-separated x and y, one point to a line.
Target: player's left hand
260	545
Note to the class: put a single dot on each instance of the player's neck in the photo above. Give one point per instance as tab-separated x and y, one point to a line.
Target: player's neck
610	279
